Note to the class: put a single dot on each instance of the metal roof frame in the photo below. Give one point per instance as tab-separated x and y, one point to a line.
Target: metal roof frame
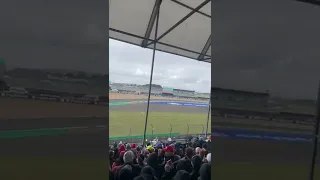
146	41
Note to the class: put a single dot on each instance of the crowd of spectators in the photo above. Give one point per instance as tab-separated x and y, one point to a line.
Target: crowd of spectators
161	161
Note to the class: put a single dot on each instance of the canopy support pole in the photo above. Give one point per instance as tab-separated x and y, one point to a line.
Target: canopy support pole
152	20
205	49
208	117
315	137
151	75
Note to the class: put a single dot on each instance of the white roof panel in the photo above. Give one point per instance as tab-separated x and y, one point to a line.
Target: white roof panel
129	22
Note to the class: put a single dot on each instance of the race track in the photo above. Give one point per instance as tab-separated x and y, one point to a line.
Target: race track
83	136
92	141
141	107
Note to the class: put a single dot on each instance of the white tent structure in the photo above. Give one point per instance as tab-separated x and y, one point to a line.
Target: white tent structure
180	27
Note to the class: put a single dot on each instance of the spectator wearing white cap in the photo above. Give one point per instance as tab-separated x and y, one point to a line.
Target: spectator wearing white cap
128	157
198	150
208	158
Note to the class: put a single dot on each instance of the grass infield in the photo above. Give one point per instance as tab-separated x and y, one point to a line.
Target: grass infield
120	123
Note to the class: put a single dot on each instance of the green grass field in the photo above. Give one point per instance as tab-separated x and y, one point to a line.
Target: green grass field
262	172
120	123
53	168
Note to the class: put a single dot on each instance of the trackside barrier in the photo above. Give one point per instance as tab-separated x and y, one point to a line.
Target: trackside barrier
172	131
196	130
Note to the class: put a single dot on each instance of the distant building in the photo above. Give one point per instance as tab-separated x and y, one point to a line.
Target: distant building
167	90
181	92
178	92
230	98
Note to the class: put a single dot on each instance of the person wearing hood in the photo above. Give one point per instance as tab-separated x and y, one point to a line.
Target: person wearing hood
121	148
128	147
184	164
152	161
196	162
147	173
182	175
128	159
133	146
205	172
126	173
122	153
117	164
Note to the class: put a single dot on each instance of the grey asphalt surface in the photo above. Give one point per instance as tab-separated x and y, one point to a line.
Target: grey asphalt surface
158	108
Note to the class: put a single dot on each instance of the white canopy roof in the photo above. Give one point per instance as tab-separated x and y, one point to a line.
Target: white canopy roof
184	26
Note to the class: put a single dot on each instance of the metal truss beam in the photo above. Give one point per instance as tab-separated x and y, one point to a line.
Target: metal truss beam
152	20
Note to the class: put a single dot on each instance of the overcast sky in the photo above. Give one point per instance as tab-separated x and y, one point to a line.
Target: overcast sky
62	34
256	45
131	64
260	45
72	34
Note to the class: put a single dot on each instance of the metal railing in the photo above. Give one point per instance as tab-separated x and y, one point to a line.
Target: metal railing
174	131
